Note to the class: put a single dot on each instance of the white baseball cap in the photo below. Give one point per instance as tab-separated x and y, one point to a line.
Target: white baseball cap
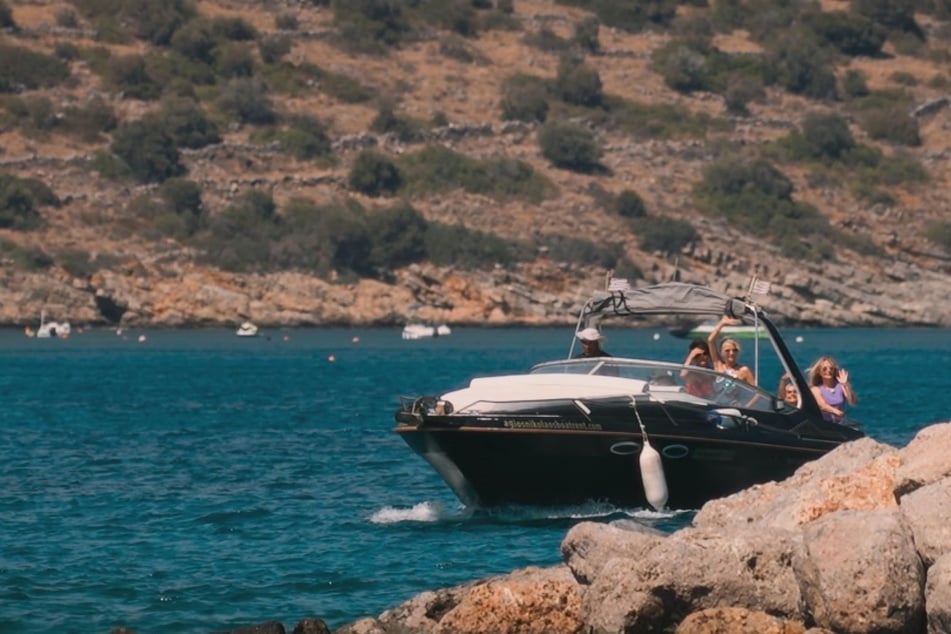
590	334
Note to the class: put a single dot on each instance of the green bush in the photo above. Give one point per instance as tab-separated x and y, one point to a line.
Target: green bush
660	121
741	90
632	17
586	34
286	21
130	75
20	199
578	83
273	48
454	245
148	149
849	33
682	65
580	252
438	168
183	198
898	15
88	121
524	98
370	26
939	232
664	235
797	64
233	29
187	123
398	235
374	174
23	69
6	16
547	40
853	84
894	125
324	238
305	138
247	100
570	147
826	136
629	204
387	121
235	59
195	42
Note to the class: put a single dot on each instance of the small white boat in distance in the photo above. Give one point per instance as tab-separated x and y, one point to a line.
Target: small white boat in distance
422	331
50	329
247	329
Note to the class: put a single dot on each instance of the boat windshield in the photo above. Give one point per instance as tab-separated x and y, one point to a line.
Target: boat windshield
669	381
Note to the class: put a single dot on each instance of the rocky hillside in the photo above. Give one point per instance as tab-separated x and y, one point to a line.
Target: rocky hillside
96	259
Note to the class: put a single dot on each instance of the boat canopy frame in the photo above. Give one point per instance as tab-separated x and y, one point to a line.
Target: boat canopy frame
680	298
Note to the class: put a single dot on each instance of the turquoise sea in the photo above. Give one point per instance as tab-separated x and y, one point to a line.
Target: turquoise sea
194	481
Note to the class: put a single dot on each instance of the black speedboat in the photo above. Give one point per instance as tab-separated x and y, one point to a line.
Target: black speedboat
632	432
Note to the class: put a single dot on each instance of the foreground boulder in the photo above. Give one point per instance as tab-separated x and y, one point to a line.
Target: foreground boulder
857	541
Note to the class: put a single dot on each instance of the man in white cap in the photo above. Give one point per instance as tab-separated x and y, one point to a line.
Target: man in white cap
591	343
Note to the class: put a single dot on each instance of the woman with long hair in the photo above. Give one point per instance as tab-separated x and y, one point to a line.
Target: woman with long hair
726	356
831	387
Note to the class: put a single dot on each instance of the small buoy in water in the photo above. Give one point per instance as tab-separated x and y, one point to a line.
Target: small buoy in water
799	339
119	332
656	336
331	358
355	340
286	338
652	476
141	338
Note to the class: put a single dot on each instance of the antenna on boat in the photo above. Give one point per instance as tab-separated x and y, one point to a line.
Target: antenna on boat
757	287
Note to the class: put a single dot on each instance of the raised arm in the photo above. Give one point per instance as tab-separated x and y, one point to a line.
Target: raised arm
712	342
843	378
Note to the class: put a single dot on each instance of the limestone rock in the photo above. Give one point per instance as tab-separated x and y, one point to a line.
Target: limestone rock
926	510
588	546
856	475
861	572
925	459
696	569
938	596
737	621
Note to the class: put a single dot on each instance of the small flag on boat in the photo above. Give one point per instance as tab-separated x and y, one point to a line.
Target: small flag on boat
759	287
619	284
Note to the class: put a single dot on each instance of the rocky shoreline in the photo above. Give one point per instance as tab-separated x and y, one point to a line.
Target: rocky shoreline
541	293
856	541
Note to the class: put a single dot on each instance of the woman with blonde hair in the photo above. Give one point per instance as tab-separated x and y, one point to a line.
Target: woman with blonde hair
726	356
831	387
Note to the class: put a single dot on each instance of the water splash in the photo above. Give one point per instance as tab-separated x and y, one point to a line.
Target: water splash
422	512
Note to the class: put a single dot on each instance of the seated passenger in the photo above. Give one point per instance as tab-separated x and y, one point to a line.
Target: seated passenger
787	391
831	387
698	383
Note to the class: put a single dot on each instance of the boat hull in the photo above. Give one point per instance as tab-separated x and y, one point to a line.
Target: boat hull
490	462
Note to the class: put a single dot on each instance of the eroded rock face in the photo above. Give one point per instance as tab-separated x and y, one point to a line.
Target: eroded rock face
926	510
862	573
529	601
938	595
589	546
925	459
856	475
696	569
737	621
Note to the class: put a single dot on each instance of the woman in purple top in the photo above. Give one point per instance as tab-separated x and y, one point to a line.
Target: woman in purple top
830	386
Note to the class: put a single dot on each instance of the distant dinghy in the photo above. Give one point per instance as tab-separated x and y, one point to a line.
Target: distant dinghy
423	331
247	329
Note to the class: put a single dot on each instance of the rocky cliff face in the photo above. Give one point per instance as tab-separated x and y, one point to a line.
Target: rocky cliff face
148	280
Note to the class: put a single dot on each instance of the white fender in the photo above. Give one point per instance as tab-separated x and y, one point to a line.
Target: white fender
652	475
